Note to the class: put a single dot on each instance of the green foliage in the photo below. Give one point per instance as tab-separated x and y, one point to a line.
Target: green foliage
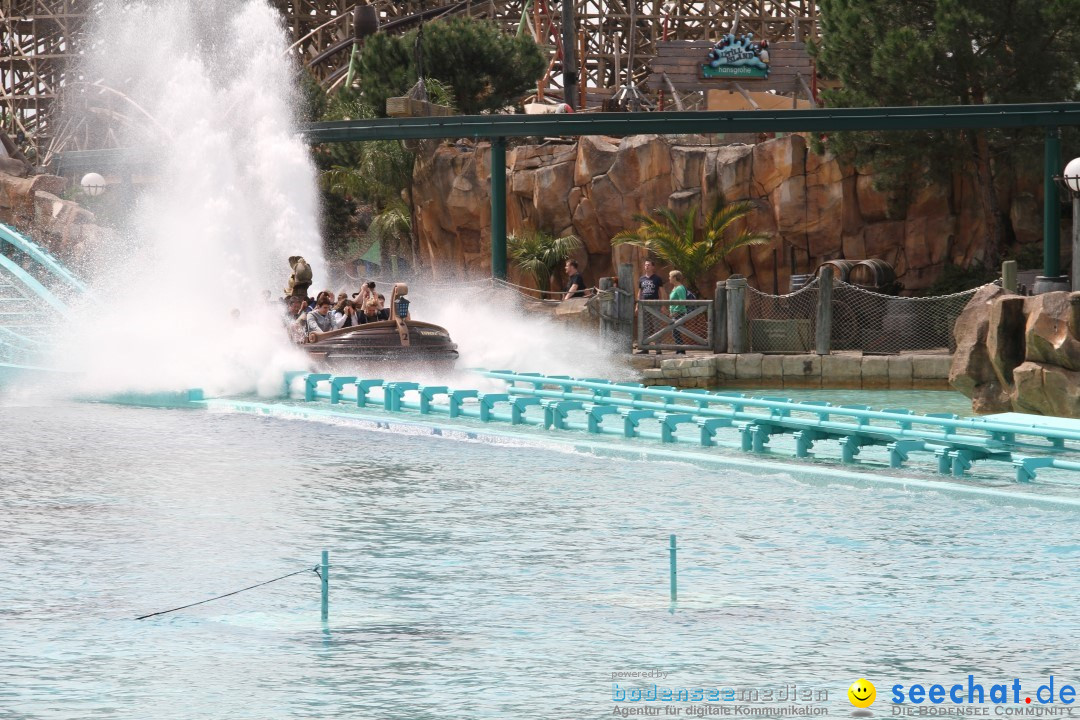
393	229
674	239
486	68
946	52
956	279
376	171
312	101
1027	257
337	224
539	254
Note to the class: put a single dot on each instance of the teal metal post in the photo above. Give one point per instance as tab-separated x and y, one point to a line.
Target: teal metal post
325	573
674	572
1051	205
498	208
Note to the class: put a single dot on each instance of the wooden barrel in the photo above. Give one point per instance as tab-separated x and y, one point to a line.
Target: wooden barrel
798	281
841	268
872	274
365	21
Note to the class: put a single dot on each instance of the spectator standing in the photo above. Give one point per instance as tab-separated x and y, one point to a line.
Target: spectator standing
650	287
576	286
678	292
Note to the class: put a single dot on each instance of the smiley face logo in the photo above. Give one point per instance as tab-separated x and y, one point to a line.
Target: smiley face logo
862	693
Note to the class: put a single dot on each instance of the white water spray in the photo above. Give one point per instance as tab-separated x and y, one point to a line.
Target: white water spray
233	196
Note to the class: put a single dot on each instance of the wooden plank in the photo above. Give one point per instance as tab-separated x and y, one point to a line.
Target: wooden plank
789	72
670	45
774	68
407	107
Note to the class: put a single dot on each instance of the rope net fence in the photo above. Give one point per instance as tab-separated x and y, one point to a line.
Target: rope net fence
861	320
782	323
885	324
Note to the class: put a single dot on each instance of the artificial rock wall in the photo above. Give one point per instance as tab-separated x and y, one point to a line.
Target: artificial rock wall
593	187
32	204
1019	353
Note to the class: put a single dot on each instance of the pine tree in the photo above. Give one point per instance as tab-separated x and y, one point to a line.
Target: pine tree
947	52
485	68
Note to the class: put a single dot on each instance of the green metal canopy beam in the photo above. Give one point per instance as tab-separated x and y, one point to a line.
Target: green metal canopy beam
498	127
678	123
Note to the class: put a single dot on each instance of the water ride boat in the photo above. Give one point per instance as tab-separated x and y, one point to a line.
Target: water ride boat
400	340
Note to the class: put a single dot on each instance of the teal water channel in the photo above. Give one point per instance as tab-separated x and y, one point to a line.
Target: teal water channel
491	577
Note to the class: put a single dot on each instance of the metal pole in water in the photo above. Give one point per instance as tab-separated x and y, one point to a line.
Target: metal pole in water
674	572
325	573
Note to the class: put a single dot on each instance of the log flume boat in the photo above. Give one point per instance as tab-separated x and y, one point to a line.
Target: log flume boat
401	341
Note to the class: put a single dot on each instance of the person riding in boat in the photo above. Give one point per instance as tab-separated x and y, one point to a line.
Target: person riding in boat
347	313
370	313
320	320
384	312
366	290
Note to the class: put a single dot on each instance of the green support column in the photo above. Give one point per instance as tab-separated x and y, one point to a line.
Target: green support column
498	208
1051	205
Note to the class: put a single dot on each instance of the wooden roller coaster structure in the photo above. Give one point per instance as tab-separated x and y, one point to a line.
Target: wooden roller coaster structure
616	42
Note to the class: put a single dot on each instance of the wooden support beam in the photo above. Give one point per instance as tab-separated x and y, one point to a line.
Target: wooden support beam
749	98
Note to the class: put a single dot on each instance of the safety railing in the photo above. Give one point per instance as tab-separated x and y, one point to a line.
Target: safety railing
630	410
30	278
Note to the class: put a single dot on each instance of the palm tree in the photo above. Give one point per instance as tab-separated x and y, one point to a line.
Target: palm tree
539	254
672	237
392	228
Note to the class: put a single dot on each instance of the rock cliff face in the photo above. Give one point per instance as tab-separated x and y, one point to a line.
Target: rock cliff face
33	205
592	188
1019	353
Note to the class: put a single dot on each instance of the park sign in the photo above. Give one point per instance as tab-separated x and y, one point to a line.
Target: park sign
738	57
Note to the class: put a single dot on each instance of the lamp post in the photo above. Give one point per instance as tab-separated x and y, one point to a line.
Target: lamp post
1071	179
1051	280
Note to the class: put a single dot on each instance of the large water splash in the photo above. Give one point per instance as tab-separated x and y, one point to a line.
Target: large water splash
233	195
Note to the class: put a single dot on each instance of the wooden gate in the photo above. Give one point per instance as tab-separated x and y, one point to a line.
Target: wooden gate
659	330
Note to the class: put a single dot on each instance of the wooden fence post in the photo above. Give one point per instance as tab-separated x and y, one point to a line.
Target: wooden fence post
626	305
720	318
607	308
824	310
1008	275
736	315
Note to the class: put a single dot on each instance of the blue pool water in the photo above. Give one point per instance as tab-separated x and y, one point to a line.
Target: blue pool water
474	579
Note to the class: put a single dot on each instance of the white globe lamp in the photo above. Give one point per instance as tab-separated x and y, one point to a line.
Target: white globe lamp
92	184
1071	176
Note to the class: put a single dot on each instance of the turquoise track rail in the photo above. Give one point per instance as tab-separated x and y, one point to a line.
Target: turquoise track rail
34	286
600	407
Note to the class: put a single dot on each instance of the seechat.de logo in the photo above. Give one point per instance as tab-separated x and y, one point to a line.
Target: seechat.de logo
862	693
